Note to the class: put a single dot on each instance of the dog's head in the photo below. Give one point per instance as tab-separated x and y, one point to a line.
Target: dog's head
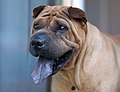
57	33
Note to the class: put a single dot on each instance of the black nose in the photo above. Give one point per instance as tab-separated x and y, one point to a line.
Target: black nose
38	43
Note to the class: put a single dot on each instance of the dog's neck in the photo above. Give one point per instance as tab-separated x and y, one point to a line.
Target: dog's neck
75	70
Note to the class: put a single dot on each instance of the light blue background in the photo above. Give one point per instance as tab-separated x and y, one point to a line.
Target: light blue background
16	64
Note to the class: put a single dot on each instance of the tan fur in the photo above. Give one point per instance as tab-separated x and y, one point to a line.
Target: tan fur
95	64
117	39
96	69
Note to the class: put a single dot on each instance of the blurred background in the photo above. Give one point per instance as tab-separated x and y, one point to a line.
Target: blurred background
16	63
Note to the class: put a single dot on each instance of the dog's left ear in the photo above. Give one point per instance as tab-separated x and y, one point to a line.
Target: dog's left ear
77	13
37	10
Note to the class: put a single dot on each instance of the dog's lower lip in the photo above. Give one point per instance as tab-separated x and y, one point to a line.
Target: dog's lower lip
59	62
65	56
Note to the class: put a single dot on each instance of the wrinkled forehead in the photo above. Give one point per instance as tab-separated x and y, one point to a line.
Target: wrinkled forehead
54	10
52	16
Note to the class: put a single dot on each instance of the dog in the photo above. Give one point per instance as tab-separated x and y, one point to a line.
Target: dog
74	52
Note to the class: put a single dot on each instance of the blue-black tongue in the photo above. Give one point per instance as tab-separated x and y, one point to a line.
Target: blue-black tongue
43	69
47	67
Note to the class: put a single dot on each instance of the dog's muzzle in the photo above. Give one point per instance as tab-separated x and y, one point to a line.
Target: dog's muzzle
38	42
51	57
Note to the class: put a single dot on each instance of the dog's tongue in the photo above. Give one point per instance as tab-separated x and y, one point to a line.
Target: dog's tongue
43	69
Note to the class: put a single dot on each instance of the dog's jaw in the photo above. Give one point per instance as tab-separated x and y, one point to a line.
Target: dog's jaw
46	67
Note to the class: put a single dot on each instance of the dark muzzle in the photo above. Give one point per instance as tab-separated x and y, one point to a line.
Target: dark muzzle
38	42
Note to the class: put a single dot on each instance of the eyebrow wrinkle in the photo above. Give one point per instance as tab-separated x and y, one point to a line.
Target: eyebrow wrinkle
65	13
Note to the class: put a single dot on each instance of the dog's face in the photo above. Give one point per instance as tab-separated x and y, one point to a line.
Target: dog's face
54	38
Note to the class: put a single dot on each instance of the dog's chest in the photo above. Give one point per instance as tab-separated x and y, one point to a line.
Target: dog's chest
63	83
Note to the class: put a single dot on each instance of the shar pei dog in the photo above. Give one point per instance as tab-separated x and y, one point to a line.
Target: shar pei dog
75	52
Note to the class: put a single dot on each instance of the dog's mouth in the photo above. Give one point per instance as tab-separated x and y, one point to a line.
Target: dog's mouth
46	67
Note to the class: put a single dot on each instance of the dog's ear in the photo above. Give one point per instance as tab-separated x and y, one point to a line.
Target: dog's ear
37	10
77	13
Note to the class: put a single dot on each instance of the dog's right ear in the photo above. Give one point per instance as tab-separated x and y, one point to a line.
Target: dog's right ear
37	10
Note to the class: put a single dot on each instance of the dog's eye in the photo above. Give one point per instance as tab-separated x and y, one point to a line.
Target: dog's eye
36	26
62	28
